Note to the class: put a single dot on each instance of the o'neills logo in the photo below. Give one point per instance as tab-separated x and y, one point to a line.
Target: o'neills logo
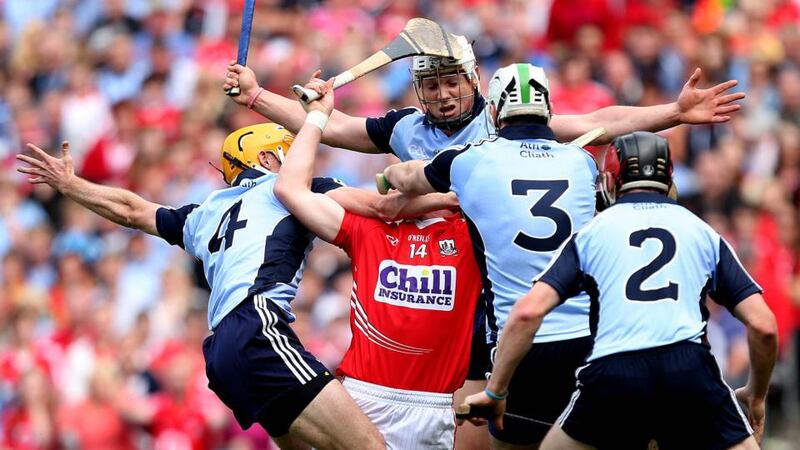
420	287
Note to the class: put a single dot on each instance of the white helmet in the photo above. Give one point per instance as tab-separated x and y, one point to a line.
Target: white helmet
425	66
520	90
435	67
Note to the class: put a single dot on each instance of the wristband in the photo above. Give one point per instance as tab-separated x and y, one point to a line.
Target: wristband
317	118
254	97
494	396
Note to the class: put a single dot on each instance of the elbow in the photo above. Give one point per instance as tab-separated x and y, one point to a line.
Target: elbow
136	219
528	313
764	327
280	190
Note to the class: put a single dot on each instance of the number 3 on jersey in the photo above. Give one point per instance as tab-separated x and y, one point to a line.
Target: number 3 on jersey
554	189
231	218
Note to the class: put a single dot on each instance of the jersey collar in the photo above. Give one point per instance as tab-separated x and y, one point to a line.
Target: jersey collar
527	131
645	197
248	174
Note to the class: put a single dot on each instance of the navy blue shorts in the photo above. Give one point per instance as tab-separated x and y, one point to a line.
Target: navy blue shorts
259	369
674	394
479	351
541	388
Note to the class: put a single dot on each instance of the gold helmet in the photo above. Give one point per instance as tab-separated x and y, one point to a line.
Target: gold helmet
241	148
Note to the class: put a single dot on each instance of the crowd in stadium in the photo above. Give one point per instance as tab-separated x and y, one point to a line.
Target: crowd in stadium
101	327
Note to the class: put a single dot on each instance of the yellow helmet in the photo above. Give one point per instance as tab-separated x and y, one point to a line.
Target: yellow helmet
241	148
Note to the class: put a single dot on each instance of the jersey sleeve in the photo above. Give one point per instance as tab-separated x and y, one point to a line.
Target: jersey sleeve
321	185
170	222
380	129
438	170
732	283
350	232
563	273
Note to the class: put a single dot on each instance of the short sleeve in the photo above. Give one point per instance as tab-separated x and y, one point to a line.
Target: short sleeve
170	222
321	185
563	272
380	129
350	232
732	282
437	171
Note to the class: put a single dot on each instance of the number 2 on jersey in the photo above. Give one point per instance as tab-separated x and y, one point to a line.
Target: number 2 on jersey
231	216
633	288
554	189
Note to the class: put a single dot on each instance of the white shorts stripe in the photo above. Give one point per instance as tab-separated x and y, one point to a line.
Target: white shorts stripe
302	366
268	322
292	351
735	402
569	407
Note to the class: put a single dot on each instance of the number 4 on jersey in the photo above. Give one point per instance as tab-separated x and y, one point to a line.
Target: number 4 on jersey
231	217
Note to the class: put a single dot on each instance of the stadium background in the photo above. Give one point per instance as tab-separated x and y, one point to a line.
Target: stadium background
100	327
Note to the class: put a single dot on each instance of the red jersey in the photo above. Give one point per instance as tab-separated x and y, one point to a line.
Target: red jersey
415	288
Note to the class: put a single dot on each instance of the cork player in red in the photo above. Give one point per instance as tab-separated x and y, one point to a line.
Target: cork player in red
415	288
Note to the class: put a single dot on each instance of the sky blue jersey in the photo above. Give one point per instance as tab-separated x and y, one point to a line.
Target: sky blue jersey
247	240
523	194
411	136
648	264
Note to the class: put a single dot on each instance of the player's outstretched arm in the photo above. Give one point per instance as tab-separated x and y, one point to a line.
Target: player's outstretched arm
409	177
117	205
342	131
762	338
693	106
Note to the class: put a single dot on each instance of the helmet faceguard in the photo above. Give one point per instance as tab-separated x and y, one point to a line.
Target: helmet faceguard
520	90
435	78
242	147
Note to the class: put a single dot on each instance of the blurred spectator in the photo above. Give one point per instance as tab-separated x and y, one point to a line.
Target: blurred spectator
577	93
97	422
29	424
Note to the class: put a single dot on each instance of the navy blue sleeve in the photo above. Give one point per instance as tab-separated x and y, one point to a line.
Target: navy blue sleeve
563	273
321	185
733	284
380	129
438	171
169	223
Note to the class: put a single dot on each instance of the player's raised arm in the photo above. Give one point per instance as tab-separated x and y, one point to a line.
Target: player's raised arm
318	212
693	106
118	205
342	130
